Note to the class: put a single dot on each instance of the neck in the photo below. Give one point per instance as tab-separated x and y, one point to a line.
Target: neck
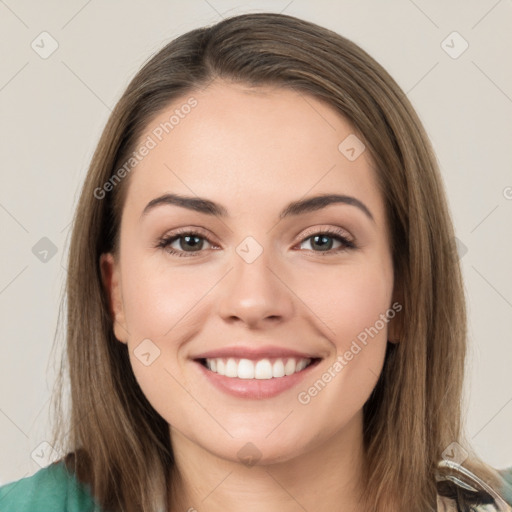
325	478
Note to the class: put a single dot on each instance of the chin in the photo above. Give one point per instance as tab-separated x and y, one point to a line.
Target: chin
258	451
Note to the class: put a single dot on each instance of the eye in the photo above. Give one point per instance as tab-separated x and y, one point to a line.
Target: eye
323	241
186	241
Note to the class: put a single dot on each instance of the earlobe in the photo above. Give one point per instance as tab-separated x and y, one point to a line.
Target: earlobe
112	285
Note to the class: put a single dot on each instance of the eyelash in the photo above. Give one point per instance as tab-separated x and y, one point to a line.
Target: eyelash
165	241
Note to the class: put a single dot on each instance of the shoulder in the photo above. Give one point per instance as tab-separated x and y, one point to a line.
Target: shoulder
457	485
506	478
51	489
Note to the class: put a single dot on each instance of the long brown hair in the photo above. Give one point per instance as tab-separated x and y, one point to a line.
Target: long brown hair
115	440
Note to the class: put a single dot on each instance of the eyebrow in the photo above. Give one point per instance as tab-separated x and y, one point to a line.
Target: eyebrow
205	206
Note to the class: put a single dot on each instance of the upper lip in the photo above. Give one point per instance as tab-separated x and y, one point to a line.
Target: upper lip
240	352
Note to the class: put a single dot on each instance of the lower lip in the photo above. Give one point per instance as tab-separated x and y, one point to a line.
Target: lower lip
255	388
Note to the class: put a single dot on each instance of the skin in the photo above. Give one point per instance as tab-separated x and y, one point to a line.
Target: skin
254	151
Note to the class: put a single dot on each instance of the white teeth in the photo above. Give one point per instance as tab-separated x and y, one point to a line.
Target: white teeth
301	365
231	368
245	369
289	367
278	368
261	369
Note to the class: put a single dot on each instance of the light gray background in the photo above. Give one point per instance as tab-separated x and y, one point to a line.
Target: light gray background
53	110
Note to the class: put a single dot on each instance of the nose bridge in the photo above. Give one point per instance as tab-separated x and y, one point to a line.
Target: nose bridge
254	292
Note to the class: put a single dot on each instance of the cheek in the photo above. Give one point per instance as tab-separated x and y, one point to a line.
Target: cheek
157	299
353	310
348	301
352	305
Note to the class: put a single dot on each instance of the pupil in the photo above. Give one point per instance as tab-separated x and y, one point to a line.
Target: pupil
323	238
188	238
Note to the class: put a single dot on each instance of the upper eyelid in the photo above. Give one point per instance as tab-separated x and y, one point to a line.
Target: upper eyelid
333	230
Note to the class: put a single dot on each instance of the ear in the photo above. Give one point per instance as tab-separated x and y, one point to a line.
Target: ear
110	274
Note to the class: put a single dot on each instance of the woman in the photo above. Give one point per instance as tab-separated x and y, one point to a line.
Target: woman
265	305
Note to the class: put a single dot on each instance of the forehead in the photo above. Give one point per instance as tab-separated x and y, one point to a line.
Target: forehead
246	147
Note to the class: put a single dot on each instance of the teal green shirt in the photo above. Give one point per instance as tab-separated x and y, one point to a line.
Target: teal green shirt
51	489
54	489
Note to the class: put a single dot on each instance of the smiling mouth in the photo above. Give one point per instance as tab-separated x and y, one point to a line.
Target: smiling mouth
262	369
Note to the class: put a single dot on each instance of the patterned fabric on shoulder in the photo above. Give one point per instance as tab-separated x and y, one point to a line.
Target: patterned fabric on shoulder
460	490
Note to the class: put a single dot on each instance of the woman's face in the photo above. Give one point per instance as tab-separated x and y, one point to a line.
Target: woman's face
258	281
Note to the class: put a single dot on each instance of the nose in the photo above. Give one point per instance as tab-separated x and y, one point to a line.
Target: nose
255	293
